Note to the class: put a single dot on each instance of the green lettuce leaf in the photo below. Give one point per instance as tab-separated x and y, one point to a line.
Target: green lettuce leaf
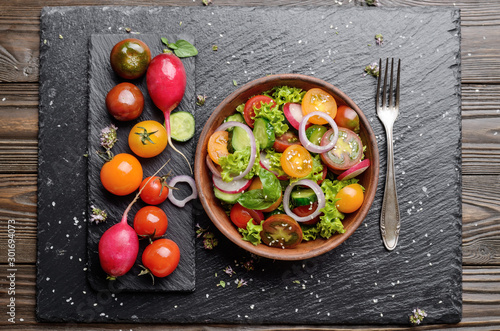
284	94
236	163
252	232
317	172
274	115
275	162
241	108
265	197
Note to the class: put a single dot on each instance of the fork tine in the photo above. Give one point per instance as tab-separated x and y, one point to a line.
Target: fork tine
397	84
377	100
390	84
384	88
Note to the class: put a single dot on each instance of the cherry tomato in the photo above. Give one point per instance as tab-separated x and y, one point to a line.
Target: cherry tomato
130	58
318	100
149	221
350	198
155	191
303	211
286	140
347	118
296	161
125	102
122	175
255	102
240	216
148	139
347	151
281	231
161	257
217	145
256	185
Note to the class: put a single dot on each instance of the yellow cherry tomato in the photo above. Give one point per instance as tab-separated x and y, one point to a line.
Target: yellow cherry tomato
296	161
318	100
217	145
122	175
148	139
350	198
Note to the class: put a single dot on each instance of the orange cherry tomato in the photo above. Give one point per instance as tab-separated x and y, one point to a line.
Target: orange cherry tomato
122	175
161	257
296	161
217	145
149	221
148	139
350	198
256	185
318	100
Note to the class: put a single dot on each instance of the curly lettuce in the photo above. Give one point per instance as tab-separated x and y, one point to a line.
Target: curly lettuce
241	108
274	115
235	163
317	171
252	232
284	94
275	162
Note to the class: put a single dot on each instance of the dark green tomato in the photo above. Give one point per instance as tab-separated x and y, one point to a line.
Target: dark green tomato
130	58
281	231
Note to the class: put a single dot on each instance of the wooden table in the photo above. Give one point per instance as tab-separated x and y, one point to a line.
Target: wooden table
19	51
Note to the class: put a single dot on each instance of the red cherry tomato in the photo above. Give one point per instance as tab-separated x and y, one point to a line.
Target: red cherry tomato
286	140
122	175
347	151
280	230
161	257
303	211
125	102
347	118
350	198
130	58
255	102
240	216
150	221
155	191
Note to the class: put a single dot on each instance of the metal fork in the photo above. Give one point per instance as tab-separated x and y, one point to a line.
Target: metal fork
390	222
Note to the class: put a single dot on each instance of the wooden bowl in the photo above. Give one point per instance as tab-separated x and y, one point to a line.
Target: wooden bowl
305	250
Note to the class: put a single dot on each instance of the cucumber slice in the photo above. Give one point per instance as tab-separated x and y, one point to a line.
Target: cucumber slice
235	118
182	126
239	139
263	131
226	197
314	133
303	197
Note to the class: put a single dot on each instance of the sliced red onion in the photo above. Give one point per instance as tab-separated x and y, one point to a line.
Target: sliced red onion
232	187
266	164
185	179
253	146
211	166
309	145
317	190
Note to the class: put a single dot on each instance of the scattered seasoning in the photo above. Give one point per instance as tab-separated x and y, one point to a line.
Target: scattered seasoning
215	47
229	271
240	282
60	36
199	230
98	215
372	69
235	83
372	3
379	39
200	99
206	2
108	139
417	316
128	30
222	284
209	240
248	265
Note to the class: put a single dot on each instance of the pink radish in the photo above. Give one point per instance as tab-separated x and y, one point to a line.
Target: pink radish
166	81
355	170
232	187
293	113
119	245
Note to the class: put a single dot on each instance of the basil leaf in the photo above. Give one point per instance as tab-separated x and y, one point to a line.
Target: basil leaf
254	199
271	186
184	49
173	46
164	40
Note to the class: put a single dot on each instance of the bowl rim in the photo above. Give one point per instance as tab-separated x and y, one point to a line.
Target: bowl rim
271	252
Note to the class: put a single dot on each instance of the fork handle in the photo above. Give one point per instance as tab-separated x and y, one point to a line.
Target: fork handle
390	222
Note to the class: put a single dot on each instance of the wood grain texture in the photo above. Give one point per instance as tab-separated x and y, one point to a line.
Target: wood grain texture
481	297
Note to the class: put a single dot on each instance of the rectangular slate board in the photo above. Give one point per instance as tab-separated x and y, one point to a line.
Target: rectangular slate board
357	283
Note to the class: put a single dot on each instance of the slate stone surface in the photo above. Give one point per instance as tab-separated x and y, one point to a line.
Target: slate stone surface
180	229
357	283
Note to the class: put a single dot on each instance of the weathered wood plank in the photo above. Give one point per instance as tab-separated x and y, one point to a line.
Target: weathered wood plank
479	311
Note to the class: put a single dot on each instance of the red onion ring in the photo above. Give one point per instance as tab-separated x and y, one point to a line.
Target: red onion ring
317	190
253	146
309	145
211	166
266	164
185	179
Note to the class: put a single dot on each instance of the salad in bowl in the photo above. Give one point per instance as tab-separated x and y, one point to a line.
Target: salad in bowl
287	167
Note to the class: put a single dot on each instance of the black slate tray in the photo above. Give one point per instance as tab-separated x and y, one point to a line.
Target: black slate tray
180	226
357	283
